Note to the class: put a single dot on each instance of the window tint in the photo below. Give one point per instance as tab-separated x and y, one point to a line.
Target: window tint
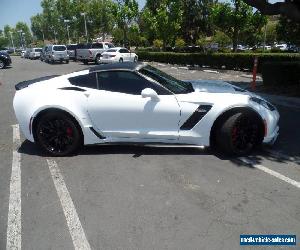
97	46
59	48
111	50
123	51
127	82
71	47
38	50
87	81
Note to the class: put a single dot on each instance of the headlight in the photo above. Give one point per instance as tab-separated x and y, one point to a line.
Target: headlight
263	103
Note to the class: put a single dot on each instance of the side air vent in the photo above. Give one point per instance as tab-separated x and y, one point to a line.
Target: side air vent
199	113
97	134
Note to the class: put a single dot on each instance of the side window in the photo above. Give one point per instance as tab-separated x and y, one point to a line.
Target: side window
124	51
97	46
126	82
87	81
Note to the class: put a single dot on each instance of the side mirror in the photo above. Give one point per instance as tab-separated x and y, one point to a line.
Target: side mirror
147	92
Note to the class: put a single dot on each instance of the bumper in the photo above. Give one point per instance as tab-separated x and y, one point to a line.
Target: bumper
59	58
273	137
108	60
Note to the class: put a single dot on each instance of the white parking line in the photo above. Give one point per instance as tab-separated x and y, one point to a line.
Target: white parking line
14	236
75	227
271	172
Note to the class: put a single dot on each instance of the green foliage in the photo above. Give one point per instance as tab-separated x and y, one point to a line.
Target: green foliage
221	39
289	31
239	22
236	61
4	42
158	43
281	73
165	22
179	43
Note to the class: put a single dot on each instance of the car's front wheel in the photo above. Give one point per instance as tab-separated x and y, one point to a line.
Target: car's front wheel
2	64
239	134
58	134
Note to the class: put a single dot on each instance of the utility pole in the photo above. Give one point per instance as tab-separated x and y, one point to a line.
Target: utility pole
67	22
86	33
12	41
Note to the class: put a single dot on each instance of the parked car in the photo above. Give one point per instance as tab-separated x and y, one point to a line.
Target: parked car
5	59
71	48
27	53
22	53
43	53
118	54
91	52
35	53
137	103
282	47
56	53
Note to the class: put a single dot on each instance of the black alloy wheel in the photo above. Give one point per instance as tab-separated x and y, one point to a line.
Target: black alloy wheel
239	134
58	134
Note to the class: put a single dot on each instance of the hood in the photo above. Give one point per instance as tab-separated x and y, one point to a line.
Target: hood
216	86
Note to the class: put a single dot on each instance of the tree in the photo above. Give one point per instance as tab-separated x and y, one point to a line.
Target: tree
238	21
166	23
126	13
24	33
288	31
195	19
289	8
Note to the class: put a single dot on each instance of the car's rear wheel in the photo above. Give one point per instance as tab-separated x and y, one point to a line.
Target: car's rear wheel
58	134
239	134
67	61
121	60
98	59
2	64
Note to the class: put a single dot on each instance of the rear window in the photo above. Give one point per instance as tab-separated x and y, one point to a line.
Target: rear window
87	81
38	50
59	48
71	47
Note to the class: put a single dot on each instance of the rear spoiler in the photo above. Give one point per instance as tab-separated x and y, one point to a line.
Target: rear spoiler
25	84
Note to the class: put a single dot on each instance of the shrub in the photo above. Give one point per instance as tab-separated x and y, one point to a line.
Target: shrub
158	43
237	61
281	73
179	43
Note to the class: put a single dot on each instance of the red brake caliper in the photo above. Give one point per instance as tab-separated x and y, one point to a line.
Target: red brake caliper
69	131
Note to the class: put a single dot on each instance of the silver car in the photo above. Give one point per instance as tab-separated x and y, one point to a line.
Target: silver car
35	53
56	53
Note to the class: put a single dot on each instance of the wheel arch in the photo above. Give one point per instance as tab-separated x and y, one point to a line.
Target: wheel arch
229	112
47	110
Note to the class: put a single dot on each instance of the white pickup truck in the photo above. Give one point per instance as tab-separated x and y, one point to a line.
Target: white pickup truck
91	52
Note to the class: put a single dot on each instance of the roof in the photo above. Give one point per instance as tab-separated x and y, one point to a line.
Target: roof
115	66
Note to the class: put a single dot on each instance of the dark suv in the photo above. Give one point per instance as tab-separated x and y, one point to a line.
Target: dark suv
5	59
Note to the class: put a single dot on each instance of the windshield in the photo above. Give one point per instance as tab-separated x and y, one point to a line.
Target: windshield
111	50
59	48
174	85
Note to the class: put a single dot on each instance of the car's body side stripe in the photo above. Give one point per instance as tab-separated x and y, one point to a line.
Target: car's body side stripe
199	113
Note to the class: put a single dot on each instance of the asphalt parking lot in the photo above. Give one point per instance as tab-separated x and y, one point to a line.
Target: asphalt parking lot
126	197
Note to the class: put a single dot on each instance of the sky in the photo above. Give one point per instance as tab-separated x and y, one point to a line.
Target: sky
13	11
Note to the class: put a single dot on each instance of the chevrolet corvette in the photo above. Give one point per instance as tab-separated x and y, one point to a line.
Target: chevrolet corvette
135	103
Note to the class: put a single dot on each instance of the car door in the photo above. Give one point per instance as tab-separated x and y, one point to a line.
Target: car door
119	112
125	54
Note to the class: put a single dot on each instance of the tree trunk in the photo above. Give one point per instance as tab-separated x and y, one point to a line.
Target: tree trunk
236	25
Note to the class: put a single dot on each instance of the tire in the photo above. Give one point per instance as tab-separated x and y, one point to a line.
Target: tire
239	134
98	59
2	64
64	132
121	60
85	62
135	59
67	61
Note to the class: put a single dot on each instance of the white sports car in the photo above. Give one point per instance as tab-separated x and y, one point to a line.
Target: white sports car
137	103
